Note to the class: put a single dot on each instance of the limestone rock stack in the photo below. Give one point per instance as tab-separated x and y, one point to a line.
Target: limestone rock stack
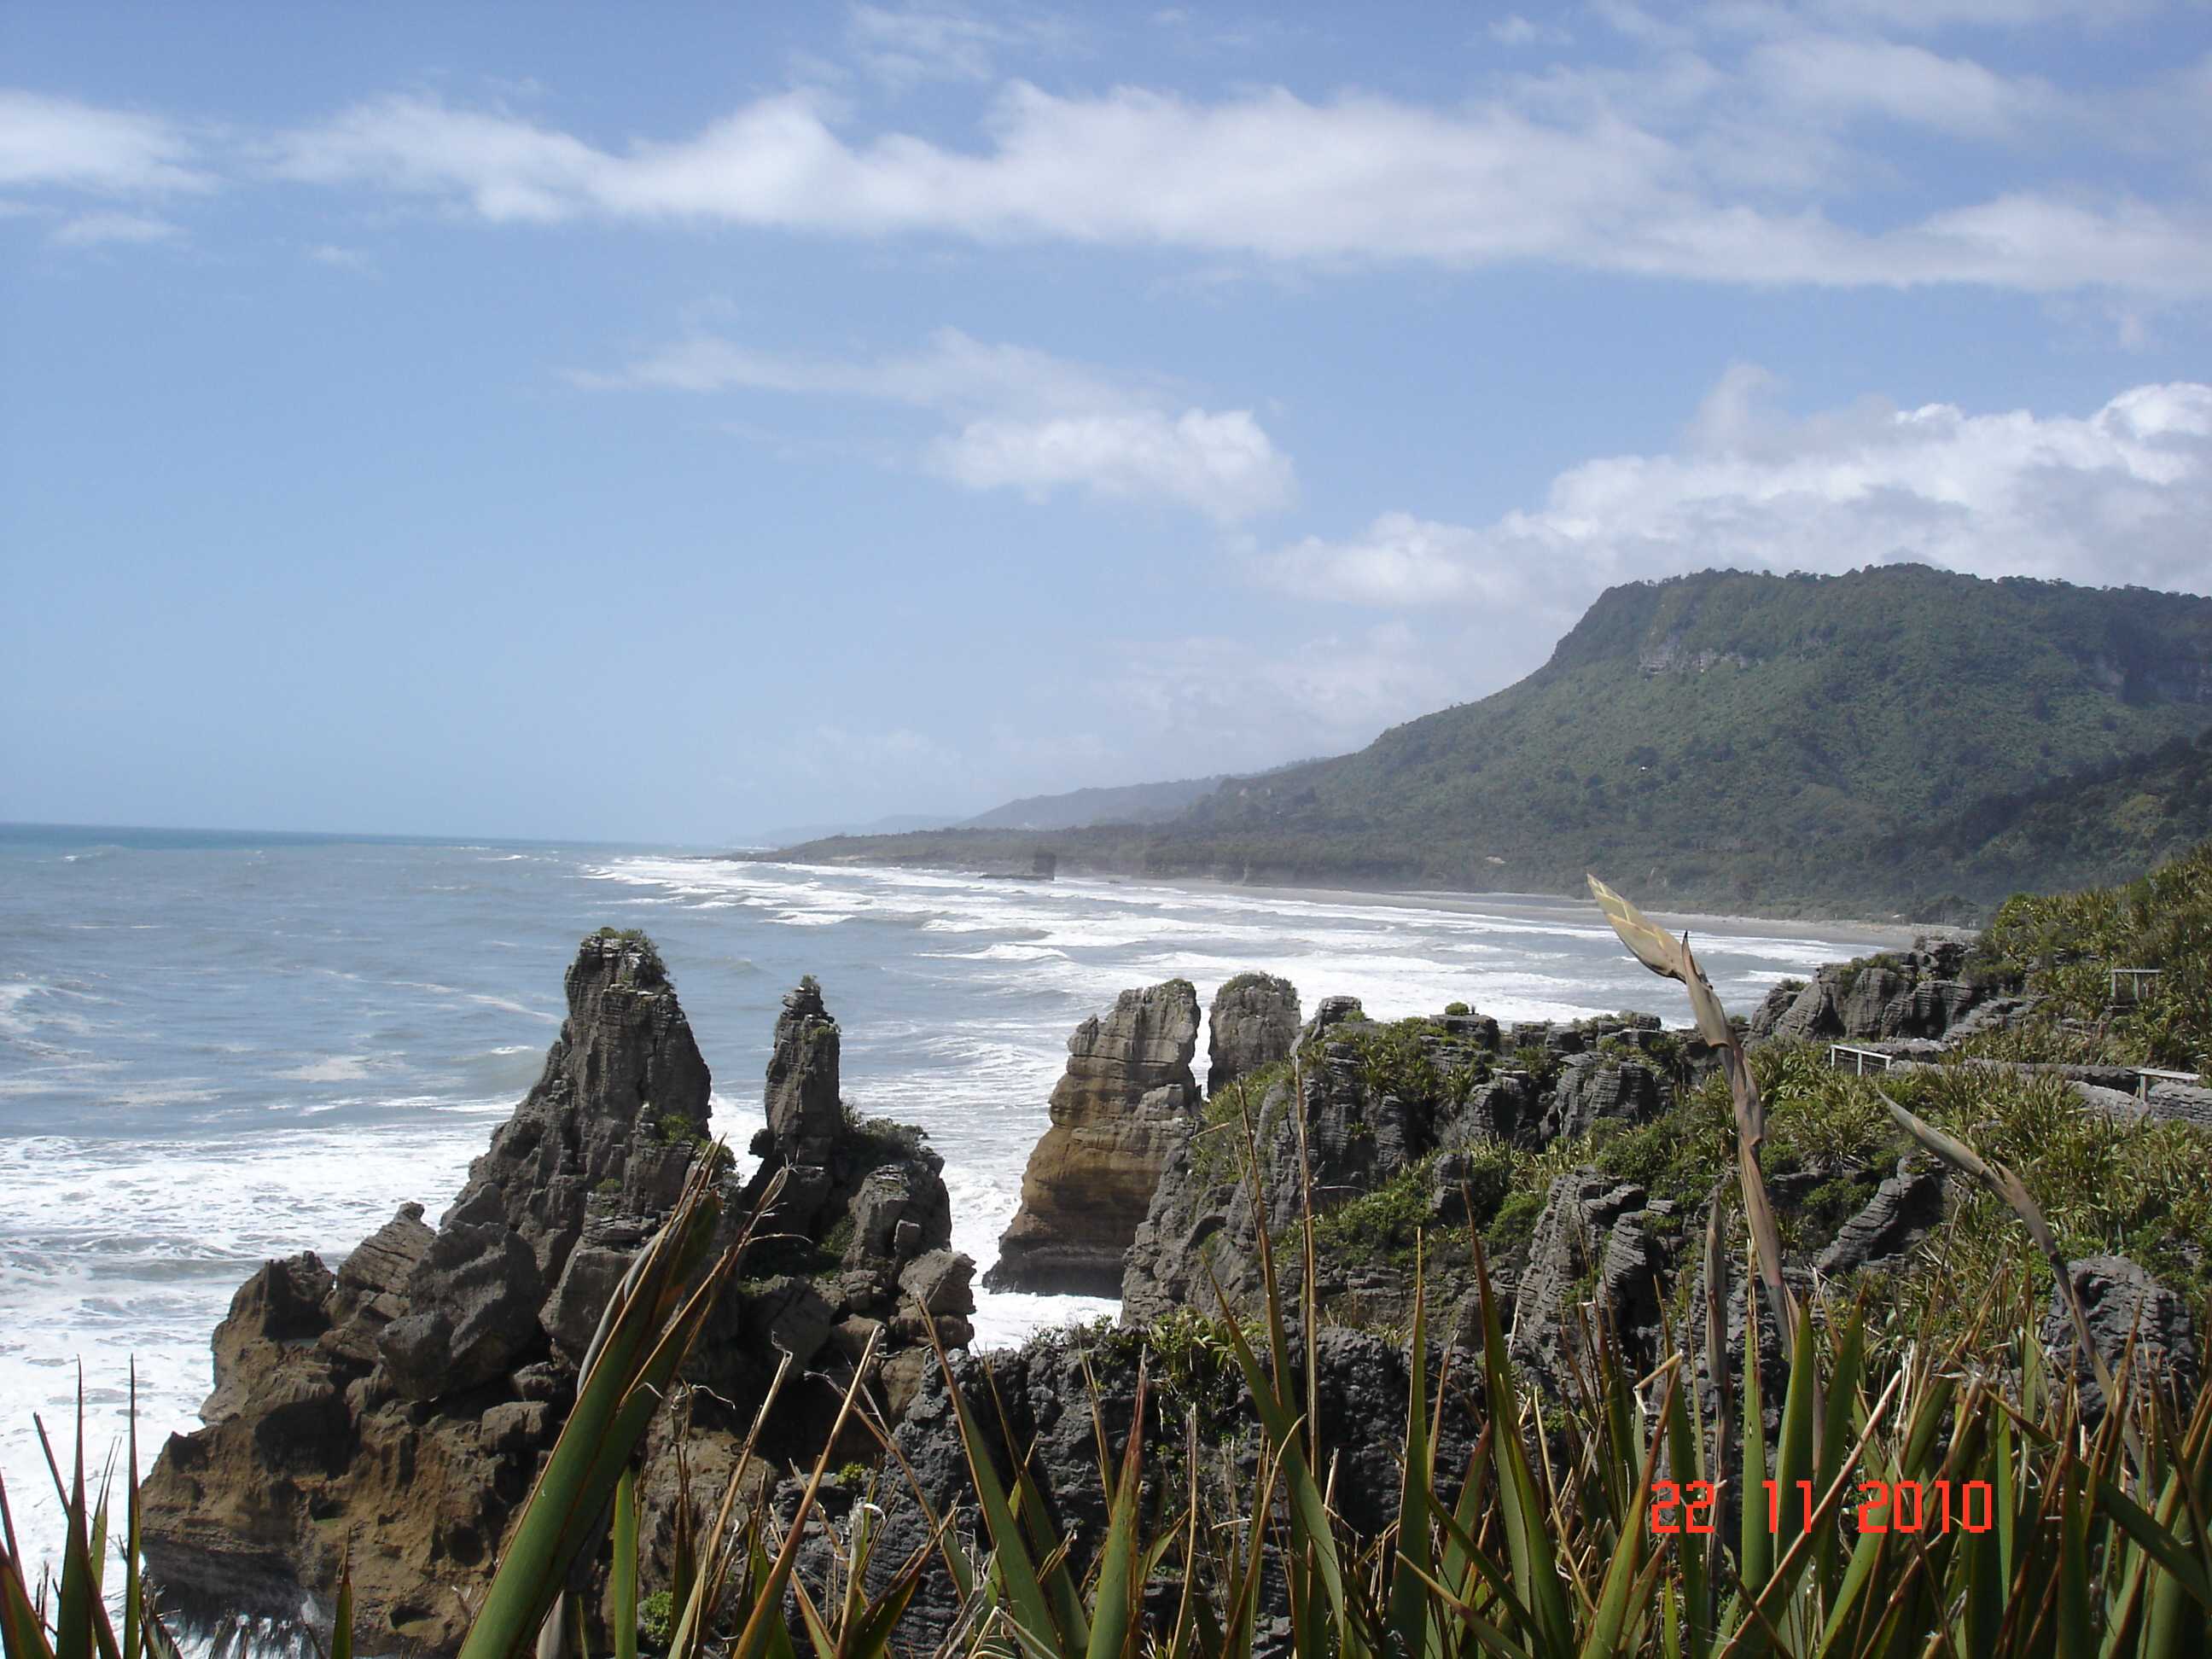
1116	1110
1254	1023
397	1411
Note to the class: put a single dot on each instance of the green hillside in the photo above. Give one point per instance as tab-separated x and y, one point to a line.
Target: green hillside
1898	738
1134	803
2082	830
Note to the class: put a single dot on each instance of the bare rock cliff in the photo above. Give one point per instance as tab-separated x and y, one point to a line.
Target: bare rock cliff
399	1409
1120	1104
1254	1023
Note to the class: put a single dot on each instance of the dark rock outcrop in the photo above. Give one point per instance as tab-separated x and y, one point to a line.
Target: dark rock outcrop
1371	1111
397	1410
1595	1242
1332	1010
1122	1103
1044	1391
805	1112
1254	1023
1900	1214
2122	1302
1919	993
1592	1087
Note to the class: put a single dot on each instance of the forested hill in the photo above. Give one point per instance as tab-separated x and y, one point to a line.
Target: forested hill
1134	802
1784	743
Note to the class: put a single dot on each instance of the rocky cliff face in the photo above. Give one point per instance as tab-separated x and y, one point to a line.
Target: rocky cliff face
1122	1103
398	1408
1920	992
1384	1126
871	1224
1254	1023
1033	1403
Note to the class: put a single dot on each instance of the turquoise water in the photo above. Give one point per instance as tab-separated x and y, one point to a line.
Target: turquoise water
216	1048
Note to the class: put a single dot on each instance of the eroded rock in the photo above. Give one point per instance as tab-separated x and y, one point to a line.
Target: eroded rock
1254	1023
397	1410
1115	1113
1903	1209
2122	1302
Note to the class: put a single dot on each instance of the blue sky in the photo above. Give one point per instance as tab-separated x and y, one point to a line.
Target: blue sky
663	422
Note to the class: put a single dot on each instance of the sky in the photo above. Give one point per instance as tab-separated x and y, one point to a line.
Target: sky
661	423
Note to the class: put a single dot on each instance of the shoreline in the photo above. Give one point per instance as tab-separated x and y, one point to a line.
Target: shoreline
1875	934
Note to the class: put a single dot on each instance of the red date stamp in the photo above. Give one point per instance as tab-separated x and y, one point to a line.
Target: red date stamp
1909	1506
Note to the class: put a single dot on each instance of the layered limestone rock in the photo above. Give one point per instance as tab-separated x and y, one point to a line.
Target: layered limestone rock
1399	1128
397	1410
1603	1233
1376	1121
2122	1304
1592	1087
1035	1403
1253	1023
871	1191
1920	992
1121	1103
1901	1213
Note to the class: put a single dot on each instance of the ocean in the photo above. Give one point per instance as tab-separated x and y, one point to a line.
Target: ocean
219	1047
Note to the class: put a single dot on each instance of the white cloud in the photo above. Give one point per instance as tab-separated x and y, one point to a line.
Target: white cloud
1221	463
1515	30
100	229
1827	76
1023	419
2121	495
343	258
1578	170
1224	704
60	143
1398	560
903	47
952	371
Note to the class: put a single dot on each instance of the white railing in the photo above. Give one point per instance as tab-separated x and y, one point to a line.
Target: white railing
2133	978
1860	1058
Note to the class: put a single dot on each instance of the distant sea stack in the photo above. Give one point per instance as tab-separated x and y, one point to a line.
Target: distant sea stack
396	1411
1115	1111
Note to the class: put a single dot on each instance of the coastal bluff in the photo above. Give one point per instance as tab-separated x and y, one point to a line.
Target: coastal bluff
395	1411
1128	1084
1117	1111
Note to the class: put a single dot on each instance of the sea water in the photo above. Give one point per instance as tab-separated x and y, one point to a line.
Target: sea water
216	1048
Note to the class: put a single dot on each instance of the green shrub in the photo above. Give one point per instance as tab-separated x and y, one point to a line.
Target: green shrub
1515	1224
1378	1228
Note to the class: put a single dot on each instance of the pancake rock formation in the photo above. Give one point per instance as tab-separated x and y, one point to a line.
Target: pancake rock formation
397	1410
1127	1093
1254	1023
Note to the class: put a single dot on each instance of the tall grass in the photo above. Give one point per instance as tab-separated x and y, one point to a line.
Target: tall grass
1901	1497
